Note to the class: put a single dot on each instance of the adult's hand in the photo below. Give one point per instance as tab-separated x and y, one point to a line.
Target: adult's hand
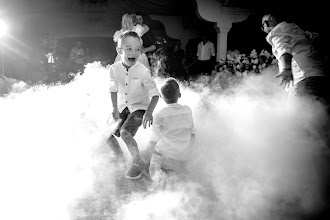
286	78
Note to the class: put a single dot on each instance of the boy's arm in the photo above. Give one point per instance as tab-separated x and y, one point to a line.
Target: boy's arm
115	112
113	92
147	117
150	84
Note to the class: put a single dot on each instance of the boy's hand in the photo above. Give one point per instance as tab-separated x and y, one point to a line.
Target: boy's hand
147	119
115	114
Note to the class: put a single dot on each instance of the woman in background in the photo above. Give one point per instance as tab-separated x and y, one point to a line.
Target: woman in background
127	24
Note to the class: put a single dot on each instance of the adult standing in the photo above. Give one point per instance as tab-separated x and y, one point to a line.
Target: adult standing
302	69
149	39
205	54
175	61
303	72
128	24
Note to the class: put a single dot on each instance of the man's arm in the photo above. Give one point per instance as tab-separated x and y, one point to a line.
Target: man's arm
286	59
150	49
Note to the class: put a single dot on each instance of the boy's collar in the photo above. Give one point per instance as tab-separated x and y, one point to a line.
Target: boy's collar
127	68
169	104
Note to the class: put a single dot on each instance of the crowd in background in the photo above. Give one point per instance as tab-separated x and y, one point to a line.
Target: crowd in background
182	63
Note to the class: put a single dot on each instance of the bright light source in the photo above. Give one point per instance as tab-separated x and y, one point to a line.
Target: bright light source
3	28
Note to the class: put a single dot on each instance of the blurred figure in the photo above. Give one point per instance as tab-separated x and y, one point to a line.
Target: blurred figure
49	45
49	57
77	58
149	39
175	61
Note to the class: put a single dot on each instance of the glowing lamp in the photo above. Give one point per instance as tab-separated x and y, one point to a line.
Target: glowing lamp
3	28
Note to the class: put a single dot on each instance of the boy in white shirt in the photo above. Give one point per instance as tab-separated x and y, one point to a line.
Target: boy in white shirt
131	87
173	133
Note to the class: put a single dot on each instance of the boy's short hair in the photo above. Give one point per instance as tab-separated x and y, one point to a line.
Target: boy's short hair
170	89
127	34
139	13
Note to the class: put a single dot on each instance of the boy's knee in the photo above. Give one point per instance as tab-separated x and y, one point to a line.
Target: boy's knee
111	139
125	133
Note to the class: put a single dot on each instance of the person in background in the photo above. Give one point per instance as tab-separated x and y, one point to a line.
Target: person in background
77	58
205	55
127	24
301	68
175	61
173	134
149	39
131	87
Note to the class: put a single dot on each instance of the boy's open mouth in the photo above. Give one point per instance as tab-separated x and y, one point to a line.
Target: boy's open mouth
132	59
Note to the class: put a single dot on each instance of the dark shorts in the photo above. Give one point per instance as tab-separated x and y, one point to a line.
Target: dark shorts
130	121
316	88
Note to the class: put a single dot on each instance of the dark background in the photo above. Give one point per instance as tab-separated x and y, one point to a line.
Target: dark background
243	36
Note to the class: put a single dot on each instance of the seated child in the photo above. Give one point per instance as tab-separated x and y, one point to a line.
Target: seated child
173	133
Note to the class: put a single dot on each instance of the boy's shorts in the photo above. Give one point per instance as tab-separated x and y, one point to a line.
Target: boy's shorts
130	121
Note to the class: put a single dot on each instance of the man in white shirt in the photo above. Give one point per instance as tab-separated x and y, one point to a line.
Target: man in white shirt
205	51
303	72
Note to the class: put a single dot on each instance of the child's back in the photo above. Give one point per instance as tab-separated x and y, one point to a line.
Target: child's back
174	126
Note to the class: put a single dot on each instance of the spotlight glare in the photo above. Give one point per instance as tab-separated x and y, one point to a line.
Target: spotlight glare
3	28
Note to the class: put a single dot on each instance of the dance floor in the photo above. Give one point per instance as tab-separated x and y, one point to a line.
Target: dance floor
255	157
